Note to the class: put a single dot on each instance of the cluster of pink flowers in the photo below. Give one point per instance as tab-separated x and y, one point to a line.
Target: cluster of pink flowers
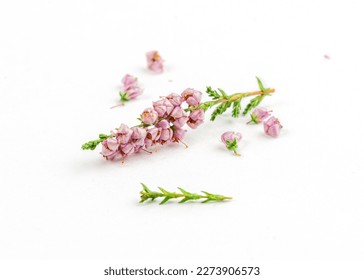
129	88
272	126
159	125
155	61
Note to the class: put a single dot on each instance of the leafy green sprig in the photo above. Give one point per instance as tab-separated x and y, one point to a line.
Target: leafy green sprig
226	101
146	194
91	145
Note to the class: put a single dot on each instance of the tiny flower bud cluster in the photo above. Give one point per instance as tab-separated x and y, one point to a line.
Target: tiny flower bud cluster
129	88
161	124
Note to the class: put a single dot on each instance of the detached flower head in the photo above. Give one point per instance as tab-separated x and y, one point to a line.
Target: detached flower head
272	127
129	88
155	61
231	139
259	114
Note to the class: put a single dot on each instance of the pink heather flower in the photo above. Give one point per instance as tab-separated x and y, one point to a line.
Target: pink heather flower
126	149
259	114
129	80
130	88
123	134
163	107
179	134
152	137
230	136
166	132
149	116
272	127
175	99
155	61
178	117
110	148
192	96
196	118
166	135
138	136
163	124
231	139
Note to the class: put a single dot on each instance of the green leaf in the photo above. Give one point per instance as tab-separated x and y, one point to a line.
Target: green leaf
260	84
212	93
165	200
146	188
184	200
163	191
236	108
184	192
253	103
123	96
220	110
223	93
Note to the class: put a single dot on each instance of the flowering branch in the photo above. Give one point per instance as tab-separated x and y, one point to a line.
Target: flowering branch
164	122
146	194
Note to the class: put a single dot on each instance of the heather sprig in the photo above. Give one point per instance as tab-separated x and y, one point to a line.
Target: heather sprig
164	122
146	194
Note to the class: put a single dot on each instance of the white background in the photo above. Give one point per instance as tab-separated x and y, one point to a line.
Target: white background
296	197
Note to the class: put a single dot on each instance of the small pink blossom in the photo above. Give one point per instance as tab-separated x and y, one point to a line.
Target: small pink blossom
126	150
163	107
166	131
129	88
231	139
179	134
138	136
272	127
259	114
192	96
175	99
123	134
230	136
196	118
178	117
149	116
110	148
155	61
129	80
152	136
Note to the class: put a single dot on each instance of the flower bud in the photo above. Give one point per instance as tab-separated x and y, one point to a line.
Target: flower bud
149	116
259	114
272	127
196	118
154	61
192	96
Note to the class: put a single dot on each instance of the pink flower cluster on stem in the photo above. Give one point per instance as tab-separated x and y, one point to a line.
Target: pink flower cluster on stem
164	123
